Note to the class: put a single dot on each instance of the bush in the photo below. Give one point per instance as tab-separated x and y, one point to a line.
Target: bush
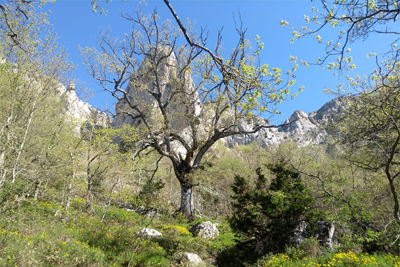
310	246
269	214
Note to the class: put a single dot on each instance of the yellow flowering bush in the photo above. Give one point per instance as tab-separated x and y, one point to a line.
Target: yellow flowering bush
348	259
181	229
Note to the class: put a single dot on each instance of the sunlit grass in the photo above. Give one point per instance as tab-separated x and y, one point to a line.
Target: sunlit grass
33	236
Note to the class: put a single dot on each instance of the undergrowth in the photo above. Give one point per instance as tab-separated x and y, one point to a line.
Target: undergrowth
31	235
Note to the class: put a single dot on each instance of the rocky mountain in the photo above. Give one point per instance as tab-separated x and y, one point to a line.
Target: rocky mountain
78	111
301	127
142	88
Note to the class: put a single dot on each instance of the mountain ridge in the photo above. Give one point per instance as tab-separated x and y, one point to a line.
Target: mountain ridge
301	127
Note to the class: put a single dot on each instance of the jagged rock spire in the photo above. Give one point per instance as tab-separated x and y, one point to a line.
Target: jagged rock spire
71	86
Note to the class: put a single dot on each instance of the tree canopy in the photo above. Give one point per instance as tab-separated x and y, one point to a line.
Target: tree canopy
156	63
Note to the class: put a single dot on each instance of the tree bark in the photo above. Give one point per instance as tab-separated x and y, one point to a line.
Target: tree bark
184	174
187	206
37	188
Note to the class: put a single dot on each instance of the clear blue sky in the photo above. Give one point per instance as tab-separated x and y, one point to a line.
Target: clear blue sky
77	25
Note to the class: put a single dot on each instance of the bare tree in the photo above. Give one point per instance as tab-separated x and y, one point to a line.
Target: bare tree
182	96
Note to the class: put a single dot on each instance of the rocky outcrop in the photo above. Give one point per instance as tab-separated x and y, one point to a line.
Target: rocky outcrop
300	233
142	89
206	230
326	234
77	110
322	231
80	111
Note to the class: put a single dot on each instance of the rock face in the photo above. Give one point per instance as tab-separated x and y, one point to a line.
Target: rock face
144	86
153	87
326	234
206	229
300	233
78	111
81	111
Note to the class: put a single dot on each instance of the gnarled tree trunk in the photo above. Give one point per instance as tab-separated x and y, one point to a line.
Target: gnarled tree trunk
184	173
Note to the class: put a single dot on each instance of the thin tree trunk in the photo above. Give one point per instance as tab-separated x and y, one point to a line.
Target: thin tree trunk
2	163
89	173
69	189
3	169
89	195
68	195
396	208
14	171
110	198
37	188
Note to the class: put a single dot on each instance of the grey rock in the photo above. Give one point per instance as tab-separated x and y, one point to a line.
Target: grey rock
77	110
149	233
141	87
323	231
302	128
80	111
300	233
326	234
206	229
190	258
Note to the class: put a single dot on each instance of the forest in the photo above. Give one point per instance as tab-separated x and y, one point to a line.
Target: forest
180	172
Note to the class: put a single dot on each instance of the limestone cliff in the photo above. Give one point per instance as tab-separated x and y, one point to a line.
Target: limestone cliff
161	81
79	110
144	85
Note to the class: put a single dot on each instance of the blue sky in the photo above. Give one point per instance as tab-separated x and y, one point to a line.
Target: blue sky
77	25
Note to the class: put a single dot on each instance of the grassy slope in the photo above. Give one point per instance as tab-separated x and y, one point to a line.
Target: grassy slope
32	236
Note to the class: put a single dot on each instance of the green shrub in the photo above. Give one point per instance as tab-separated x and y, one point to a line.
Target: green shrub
269	213
150	254
310	246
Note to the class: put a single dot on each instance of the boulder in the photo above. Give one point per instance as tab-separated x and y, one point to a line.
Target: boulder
191	258
149	233
300	233
206	229
323	231
326	234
